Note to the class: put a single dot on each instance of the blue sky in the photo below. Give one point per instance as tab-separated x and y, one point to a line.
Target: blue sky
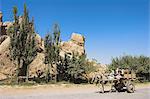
111	27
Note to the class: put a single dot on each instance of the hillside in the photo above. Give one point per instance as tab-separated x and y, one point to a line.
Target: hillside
7	67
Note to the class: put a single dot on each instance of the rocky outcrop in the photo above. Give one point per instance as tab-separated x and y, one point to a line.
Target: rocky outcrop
40	43
7	24
2	38
74	45
7	68
37	67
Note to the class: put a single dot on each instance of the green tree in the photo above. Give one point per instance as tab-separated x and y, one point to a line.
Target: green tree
52	49
49	54
140	64
23	46
76	67
63	67
14	42
56	39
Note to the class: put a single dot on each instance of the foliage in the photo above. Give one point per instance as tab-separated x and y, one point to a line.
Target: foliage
51	44
49	53
76	66
89	67
23	46
140	64
63	68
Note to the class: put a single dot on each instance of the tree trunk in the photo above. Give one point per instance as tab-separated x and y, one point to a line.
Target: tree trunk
56	73
27	74
17	73
48	72
12	74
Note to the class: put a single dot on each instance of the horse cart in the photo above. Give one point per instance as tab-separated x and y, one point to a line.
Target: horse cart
120	82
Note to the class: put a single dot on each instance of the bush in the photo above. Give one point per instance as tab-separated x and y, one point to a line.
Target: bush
140	64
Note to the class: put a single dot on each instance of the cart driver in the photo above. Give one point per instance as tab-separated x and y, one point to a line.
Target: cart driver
118	73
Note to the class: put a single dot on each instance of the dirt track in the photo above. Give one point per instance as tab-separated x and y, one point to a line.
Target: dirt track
77	92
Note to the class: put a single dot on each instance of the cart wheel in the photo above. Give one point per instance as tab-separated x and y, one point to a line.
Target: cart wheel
119	87
130	88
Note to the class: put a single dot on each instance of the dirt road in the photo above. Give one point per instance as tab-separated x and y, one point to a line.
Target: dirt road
77	92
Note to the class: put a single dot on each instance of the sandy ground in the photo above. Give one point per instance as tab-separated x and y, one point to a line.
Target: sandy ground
67	91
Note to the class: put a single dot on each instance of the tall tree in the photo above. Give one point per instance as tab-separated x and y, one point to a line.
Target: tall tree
15	42
56	39
23	45
49	54
52	49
